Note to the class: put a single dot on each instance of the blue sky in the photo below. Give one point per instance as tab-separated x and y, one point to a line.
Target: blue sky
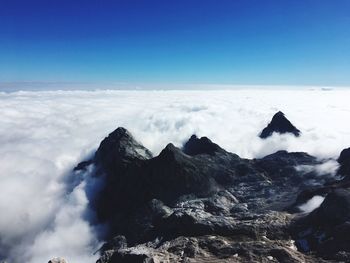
184	41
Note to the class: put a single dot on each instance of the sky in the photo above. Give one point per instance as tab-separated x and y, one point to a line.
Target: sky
250	42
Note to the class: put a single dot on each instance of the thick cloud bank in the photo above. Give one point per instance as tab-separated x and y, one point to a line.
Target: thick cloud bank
44	134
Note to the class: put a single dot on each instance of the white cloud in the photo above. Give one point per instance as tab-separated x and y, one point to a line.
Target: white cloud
328	167
44	134
312	204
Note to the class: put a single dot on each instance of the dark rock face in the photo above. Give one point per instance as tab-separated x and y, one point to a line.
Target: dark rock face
134	184
326	230
204	204
334	210
119	150
279	124
203	145
344	161
283	163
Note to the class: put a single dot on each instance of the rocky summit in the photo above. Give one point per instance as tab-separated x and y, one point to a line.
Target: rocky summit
279	124
200	203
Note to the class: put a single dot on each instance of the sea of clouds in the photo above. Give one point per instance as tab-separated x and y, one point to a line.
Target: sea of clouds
44	134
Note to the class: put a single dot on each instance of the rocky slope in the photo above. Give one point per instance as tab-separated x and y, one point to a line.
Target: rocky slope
204	204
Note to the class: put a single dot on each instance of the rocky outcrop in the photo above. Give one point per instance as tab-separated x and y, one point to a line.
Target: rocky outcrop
203	145
326	230
211	248
119	150
344	161
279	124
202	203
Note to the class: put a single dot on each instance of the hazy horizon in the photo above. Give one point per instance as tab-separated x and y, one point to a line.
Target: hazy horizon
90	86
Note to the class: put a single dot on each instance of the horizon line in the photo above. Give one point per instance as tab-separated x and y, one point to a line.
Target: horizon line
8	86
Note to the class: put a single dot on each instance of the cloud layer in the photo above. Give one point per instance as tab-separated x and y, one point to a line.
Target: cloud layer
44	134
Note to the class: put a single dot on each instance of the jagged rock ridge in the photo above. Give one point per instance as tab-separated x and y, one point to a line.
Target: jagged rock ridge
203	203
279	124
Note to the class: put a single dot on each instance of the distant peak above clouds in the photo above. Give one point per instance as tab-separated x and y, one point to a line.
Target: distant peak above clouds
279	124
203	145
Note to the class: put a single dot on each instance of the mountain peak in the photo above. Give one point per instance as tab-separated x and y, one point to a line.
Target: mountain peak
203	145
120	132
170	152
279	124
120	147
